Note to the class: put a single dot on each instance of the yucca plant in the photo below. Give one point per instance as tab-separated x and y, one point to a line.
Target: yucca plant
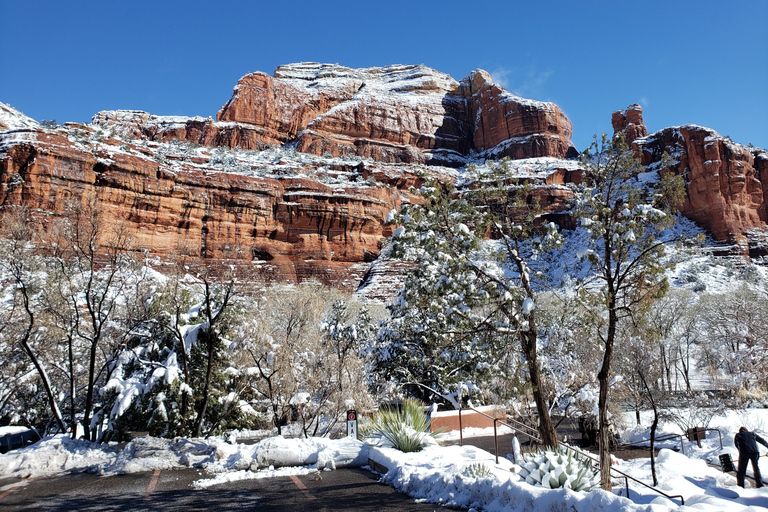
406	429
559	468
476	470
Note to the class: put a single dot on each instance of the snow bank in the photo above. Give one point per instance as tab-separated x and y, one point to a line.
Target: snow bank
60	454
278	452
437	475
53	456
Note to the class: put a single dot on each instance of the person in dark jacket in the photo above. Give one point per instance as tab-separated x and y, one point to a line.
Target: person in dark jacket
746	443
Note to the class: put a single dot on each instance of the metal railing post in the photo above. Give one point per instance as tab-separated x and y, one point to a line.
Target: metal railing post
496	439
719	434
461	431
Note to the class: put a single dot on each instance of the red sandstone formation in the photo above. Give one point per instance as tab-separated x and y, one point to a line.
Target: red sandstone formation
726	182
292	226
726	191
630	122
295	215
279	108
507	125
410	114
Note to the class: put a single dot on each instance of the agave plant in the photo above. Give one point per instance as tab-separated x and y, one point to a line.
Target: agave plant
559	468
476	470
406	429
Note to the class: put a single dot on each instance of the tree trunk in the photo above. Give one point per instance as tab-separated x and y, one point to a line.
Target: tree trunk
654	425
546	429
36	362
89	393
207	387
182	350
72	401
602	404
665	364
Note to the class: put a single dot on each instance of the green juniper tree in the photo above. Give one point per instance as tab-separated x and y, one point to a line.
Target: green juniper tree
468	302
626	218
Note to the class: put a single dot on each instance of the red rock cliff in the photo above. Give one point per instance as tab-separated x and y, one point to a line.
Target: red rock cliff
726	183
506	125
630	122
410	114
290	220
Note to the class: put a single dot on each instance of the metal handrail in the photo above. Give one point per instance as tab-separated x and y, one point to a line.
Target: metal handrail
719	434
596	461
681	436
495	432
663	438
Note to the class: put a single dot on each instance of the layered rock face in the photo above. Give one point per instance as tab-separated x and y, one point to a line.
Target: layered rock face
279	183
394	114
408	114
727	183
506	125
199	130
291	216
289	220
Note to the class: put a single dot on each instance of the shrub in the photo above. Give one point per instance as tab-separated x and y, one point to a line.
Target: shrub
477	470
559	468
406	429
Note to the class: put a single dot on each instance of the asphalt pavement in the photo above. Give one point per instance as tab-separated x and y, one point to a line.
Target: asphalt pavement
172	491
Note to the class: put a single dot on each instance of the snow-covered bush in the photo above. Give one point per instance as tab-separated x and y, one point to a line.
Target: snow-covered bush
405	429
300	351
476	470
559	468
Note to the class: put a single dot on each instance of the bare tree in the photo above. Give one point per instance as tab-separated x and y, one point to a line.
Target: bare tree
304	346
736	330
91	269
667	319
18	262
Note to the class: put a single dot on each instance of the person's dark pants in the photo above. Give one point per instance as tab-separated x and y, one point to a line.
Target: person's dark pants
742	469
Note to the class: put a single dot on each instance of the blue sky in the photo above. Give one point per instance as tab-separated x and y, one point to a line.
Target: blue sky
702	62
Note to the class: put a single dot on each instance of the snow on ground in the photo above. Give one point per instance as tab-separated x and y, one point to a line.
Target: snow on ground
437	474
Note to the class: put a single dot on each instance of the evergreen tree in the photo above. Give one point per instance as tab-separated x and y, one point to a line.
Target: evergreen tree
438	337
468	301
626	217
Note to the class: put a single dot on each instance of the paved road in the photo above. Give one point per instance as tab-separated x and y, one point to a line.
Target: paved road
171	491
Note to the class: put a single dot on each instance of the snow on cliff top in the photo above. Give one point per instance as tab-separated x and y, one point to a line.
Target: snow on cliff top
12	119
413	83
131	122
385	80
